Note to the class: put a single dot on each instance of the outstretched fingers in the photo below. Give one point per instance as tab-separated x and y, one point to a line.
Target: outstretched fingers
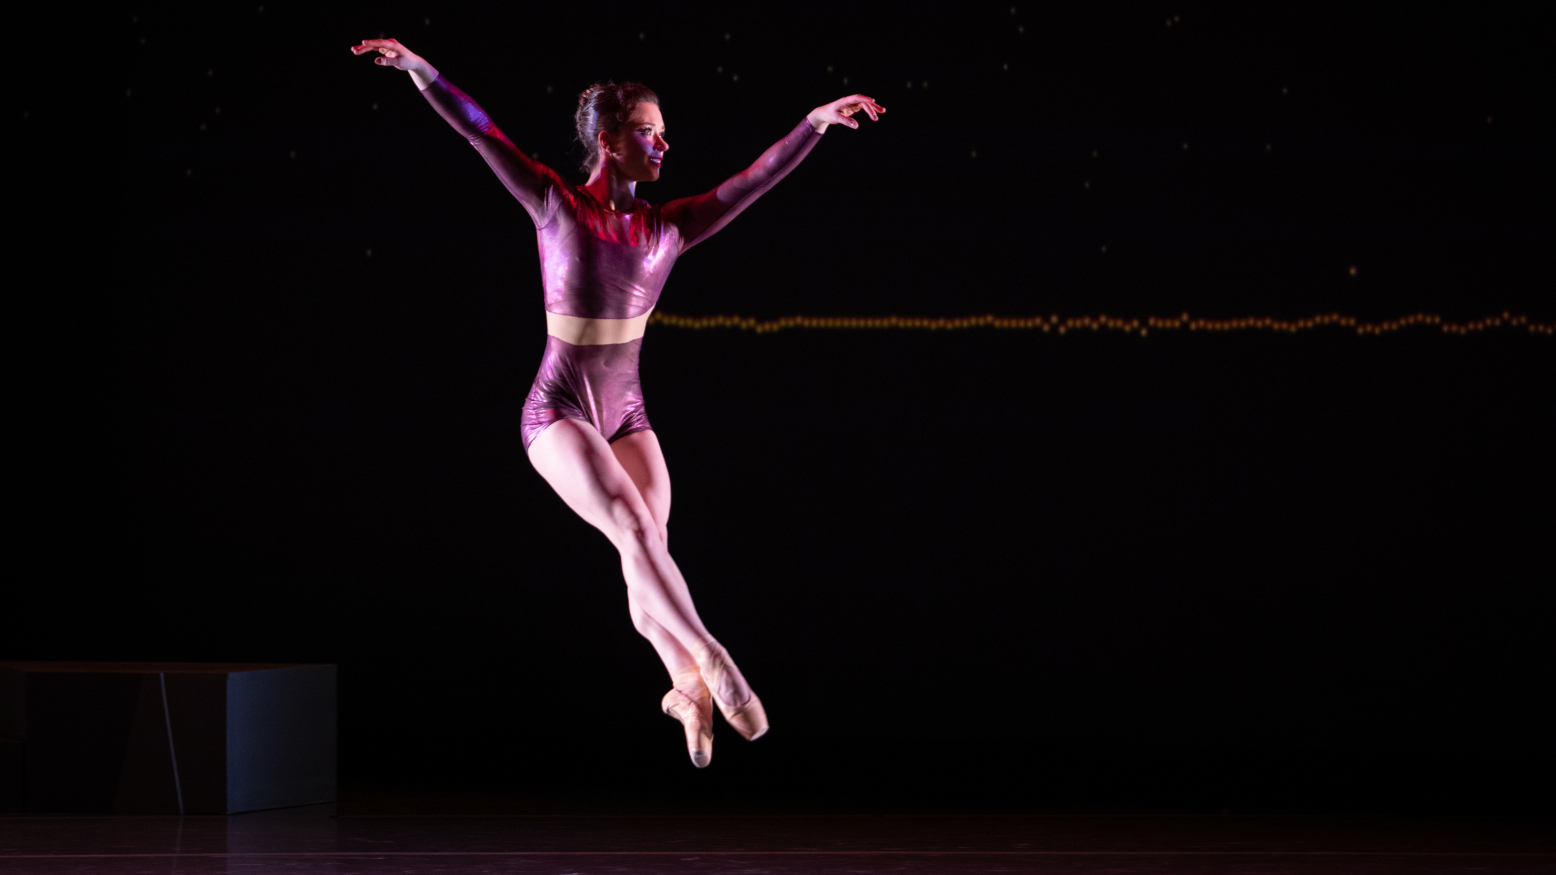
838	112
854	103
386	46
871	108
851	105
392	53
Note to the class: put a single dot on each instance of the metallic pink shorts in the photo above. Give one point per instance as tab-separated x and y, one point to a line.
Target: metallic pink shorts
597	383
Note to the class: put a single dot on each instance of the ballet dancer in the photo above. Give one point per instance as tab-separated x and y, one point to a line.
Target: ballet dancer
604	257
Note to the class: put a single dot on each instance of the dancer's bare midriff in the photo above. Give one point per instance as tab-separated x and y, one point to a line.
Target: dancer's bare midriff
582	331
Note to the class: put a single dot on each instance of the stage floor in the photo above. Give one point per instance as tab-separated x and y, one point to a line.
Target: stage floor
421	835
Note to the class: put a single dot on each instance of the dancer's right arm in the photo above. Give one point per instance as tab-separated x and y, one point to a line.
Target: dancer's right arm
534	184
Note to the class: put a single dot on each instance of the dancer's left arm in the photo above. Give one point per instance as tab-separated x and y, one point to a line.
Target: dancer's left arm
702	216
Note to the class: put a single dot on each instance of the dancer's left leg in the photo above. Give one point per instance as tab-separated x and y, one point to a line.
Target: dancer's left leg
644	461
688	700
640	455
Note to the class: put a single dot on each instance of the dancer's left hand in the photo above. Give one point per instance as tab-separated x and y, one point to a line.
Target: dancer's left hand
838	112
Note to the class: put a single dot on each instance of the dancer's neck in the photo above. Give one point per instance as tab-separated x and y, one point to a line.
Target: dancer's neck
608	186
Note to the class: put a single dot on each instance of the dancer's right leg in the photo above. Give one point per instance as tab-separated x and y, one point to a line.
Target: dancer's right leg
578	463
643	460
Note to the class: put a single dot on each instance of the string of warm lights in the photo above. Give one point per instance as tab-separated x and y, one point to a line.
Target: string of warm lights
1056	325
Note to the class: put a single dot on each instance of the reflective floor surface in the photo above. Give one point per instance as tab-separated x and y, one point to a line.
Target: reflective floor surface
327	839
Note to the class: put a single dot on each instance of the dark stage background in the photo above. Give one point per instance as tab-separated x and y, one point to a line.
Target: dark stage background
963	568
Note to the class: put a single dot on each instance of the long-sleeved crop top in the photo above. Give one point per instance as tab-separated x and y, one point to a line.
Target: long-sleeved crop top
597	262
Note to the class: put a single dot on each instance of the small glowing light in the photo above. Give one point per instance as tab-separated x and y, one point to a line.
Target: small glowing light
126	92
1169	22
975	153
719	69
1488	119
209	73
924	84
548	89
292	154
1086	184
641	36
1104	249
829	68
426	22
1093	153
734	77
1175	18
202	126
1012	10
845	80
218	110
1266	147
370	253
1283	90
1004	65
142	40
1185	147
726	37
1021	28
910	83
1353	270
261	9
188	172
375	104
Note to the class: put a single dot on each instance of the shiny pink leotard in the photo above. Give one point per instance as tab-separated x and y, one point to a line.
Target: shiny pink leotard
599	263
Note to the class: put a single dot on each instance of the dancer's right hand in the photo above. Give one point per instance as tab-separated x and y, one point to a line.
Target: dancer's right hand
392	54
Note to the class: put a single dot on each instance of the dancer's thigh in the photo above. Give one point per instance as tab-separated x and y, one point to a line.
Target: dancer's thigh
578	463
639	453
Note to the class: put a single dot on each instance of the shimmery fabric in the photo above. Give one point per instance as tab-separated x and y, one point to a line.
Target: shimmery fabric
599	263
597	383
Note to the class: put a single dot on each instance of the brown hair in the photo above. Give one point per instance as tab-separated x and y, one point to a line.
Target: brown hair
606	106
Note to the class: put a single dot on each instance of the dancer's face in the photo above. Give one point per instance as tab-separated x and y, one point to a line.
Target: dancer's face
640	145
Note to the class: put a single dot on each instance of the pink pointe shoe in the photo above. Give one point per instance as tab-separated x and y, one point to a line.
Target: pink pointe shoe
688	702
725	683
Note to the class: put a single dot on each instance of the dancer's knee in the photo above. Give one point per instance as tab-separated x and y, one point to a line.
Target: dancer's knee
635	529
641	621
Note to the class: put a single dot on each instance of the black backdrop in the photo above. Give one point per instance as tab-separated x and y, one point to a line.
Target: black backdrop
978	567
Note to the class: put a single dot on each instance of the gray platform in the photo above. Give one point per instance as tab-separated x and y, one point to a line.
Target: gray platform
165	738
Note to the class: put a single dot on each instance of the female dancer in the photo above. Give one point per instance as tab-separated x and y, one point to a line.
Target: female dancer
604	257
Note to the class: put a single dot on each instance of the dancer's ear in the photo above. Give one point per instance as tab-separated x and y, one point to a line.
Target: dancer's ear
607	144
